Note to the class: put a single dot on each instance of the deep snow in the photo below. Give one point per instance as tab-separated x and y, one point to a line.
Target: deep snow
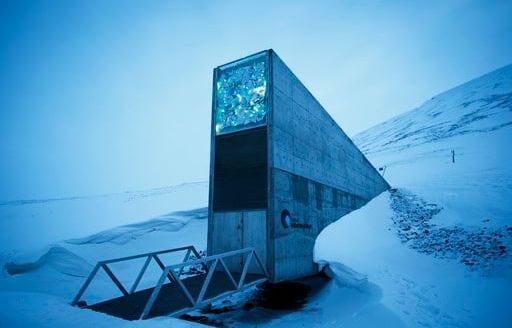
37	287
438	247
434	252
33	224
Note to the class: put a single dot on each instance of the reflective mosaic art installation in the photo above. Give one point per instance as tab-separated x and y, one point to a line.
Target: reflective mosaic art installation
241	92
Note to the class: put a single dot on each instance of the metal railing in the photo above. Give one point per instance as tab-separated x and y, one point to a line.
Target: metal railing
200	301
149	256
175	271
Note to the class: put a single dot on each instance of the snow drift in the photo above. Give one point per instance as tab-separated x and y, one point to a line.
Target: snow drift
58	258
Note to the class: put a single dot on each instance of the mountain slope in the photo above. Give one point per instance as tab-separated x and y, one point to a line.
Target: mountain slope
438	245
474	121
478	106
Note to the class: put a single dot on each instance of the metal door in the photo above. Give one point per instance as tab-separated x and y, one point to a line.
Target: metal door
255	235
237	230
227	236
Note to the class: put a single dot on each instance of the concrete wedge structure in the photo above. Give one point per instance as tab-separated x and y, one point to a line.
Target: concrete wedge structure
281	169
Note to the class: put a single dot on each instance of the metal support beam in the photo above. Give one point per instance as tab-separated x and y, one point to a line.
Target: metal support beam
141	273
185	259
183	287
245	269
228	273
206	282
153	296
86	284
218	297
162	266
100	264
260	264
114	279
173	273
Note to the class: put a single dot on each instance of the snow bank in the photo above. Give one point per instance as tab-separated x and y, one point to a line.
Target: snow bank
420	289
343	275
121	235
58	258
30	224
37	286
439	247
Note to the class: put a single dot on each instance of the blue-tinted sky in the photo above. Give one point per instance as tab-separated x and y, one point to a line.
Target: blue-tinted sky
106	96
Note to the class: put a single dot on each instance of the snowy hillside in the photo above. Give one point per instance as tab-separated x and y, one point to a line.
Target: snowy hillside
474	121
439	245
478	106
435	251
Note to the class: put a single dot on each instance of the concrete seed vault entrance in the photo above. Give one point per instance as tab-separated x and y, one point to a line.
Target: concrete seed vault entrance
281	170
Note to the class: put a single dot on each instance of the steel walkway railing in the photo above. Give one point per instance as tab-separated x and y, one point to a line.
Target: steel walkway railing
149	256
213	260
174	272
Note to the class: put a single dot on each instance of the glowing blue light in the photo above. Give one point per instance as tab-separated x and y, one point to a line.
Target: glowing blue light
241	91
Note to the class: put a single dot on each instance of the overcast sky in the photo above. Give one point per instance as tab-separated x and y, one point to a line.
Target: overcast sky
107	96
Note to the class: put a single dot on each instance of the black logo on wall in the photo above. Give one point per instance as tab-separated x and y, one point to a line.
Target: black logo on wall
288	222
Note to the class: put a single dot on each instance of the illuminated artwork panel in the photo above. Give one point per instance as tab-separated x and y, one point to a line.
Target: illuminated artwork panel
241	95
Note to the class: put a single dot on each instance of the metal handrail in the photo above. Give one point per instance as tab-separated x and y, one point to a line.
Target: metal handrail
132	257
199	301
151	255
174	272
212	257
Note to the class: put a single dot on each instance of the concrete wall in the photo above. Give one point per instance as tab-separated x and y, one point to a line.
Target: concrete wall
238	195
315	172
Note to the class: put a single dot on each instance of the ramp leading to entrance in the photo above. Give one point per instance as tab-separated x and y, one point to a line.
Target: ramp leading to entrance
170	299
184	291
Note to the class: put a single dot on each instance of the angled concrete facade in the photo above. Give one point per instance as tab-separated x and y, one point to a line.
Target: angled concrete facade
316	172
313	174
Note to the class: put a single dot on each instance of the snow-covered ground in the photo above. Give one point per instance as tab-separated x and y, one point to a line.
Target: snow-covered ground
35	223
439	246
432	252
37	285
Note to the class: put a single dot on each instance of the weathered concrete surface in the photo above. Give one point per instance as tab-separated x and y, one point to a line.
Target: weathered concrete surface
313	170
316	173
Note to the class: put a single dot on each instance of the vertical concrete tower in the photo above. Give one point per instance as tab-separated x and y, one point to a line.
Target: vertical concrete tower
281	169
